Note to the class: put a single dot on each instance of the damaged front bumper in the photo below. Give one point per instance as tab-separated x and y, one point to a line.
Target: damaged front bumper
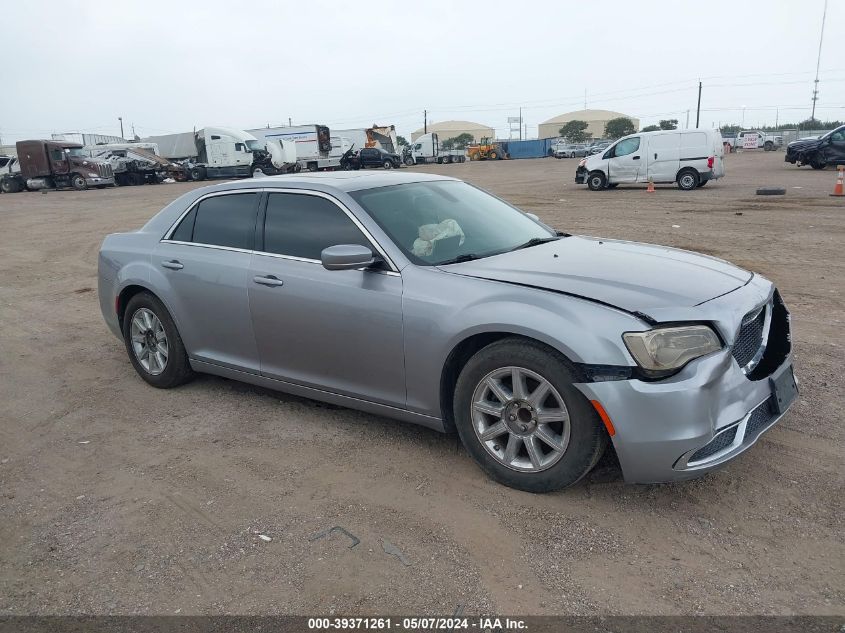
580	175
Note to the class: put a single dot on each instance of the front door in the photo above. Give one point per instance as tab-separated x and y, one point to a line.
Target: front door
339	331
834	153
624	161
205	263
59	160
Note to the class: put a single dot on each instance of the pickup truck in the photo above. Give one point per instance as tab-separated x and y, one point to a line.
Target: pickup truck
753	139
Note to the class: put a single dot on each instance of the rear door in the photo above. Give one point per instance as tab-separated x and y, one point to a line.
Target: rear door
336	330
694	150
663	156
625	160
203	267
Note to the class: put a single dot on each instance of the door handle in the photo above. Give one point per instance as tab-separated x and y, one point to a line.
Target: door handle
173	264
655	157
636	158
269	280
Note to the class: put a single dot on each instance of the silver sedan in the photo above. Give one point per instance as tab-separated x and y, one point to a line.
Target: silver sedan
425	299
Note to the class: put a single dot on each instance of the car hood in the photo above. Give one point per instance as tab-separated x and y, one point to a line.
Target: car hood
804	143
628	275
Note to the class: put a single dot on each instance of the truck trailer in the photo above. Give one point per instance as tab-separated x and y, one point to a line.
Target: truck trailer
43	164
313	144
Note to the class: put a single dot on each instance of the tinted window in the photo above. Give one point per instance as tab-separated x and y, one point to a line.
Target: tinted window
56	154
226	220
628	146
302	226
185	231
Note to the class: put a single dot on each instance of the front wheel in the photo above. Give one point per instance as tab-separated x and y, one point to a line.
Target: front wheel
688	179
409	162
153	343
768	146
388	164
817	163
78	182
596	181
522	420
198	173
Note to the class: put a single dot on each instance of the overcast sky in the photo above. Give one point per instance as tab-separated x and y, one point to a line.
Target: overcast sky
76	66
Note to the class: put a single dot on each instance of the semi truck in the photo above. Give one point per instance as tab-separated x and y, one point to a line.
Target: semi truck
378	136
136	163
43	164
427	149
216	152
313	144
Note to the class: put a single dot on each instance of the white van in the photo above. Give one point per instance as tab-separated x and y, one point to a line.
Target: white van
690	158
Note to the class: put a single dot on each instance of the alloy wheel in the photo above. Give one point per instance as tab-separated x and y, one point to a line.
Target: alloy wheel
520	419
149	341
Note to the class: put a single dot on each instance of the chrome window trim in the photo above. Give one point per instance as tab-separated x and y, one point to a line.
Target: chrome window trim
212	246
394	270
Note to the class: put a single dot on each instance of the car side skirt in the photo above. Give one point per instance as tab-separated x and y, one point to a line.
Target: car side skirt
320	395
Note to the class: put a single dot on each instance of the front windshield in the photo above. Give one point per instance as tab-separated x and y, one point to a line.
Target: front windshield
77	151
437	222
254	146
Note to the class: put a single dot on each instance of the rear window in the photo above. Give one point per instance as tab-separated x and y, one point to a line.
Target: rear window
225	221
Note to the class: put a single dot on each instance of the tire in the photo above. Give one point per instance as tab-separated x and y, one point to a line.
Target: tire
577	431
257	170
312	167
771	191
493	155
687	179
10	185
77	181
177	369
409	162
596	180
387	164
768	146
198	173
817	163
447	160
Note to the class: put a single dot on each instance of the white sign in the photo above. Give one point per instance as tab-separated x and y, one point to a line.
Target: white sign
513	119
749	141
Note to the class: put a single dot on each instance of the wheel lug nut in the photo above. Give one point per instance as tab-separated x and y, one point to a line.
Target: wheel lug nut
512	417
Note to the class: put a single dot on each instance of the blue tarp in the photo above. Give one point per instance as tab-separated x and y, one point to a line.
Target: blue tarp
537	148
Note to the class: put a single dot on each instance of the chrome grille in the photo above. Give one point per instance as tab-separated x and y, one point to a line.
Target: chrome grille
760	418
721	441
750	337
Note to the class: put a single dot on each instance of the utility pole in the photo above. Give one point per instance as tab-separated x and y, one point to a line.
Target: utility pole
290	123
687	125
818	61
585	99
120	118
425	121
698	108
520	124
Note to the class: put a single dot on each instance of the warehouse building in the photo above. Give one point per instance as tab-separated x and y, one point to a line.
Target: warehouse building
595	119
451	129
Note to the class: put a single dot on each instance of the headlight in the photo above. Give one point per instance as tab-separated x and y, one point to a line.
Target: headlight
93	175
662	351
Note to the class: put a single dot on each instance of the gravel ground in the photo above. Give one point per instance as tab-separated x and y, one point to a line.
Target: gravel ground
118	498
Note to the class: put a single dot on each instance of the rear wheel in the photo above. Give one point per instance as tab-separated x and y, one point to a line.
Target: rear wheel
688	179
312	167
768	146
388	164
596	181
153	343
493	155
10	185
198	173
522	420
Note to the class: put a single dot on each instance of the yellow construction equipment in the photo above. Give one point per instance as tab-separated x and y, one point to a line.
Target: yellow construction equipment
486	150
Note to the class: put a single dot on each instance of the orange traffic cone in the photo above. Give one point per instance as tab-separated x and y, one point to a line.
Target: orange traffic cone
650	186
838	191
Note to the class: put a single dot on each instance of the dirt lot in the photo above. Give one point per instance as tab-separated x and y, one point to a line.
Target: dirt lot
115	497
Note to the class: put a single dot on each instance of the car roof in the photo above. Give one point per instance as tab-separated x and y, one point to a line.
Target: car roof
339	180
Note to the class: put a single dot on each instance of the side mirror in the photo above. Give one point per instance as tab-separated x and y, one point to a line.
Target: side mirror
347	257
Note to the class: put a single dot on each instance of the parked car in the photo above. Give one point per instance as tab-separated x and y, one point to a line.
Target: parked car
828	149
422	298
378	157
569	151
690	158
598	148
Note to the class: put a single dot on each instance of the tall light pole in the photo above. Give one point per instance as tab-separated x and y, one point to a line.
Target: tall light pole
818	61
120	118
743	116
